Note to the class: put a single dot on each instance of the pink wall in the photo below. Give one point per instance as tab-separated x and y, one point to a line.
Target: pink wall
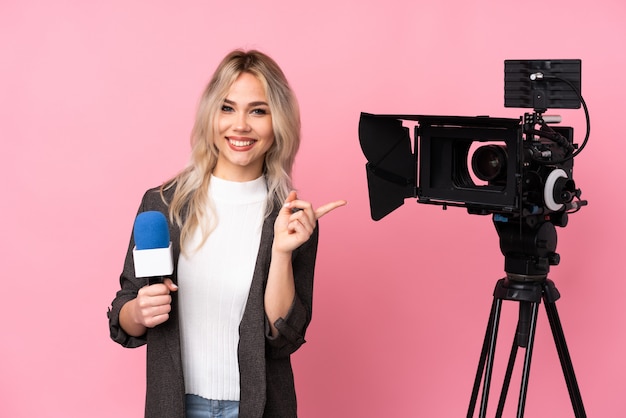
97	103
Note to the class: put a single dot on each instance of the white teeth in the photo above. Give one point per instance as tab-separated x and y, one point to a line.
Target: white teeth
241	143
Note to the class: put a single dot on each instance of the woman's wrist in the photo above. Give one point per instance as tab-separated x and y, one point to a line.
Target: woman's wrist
128	319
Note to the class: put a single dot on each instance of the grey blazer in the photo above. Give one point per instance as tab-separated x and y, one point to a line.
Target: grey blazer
266	376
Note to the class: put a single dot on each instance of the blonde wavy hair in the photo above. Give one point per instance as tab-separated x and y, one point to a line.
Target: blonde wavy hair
190	206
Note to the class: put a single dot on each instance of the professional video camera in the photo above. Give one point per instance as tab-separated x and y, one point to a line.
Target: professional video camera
519	170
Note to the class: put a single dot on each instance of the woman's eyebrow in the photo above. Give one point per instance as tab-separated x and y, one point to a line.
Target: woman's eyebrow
251	104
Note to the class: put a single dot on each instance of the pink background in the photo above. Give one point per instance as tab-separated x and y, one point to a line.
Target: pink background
97	101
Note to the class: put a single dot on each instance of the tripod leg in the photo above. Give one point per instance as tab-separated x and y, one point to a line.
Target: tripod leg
486	356
529	352
564	357
507	379
524	337
490	356
481	363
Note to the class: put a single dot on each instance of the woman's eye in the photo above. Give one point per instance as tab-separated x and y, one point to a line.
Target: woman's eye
259	112
226	108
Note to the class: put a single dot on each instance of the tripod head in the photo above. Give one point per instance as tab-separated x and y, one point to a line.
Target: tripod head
528	246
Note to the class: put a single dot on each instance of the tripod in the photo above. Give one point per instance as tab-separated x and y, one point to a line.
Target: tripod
528	285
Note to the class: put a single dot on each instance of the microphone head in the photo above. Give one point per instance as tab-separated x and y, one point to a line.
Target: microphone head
151	231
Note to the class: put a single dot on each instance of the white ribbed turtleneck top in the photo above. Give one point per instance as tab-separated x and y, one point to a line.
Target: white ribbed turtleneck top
214	282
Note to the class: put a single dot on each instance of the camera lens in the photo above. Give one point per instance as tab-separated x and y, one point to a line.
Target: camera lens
489	163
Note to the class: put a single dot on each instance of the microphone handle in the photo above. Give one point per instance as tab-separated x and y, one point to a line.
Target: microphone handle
156	280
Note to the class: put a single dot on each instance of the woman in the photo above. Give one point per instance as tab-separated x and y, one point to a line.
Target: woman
220	332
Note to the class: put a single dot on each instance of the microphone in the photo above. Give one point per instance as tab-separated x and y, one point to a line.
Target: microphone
152	254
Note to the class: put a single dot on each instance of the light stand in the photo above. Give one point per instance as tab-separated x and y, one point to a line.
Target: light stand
529	251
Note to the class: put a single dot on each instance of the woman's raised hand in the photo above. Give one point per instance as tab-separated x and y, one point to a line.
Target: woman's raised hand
296	221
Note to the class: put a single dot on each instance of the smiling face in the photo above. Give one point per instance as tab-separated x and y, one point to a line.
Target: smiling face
244	131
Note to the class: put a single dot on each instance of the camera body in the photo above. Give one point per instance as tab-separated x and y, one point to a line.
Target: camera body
487	165
516	168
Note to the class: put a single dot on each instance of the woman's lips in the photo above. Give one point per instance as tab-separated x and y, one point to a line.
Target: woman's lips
240	142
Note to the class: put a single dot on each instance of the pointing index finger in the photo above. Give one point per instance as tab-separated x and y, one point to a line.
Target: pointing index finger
323	210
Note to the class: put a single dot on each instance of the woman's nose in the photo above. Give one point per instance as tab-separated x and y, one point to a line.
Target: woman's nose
241	123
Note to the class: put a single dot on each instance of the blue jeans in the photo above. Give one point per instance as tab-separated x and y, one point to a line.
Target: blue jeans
199	407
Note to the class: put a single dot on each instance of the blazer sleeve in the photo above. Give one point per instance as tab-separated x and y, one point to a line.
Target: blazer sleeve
292	328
